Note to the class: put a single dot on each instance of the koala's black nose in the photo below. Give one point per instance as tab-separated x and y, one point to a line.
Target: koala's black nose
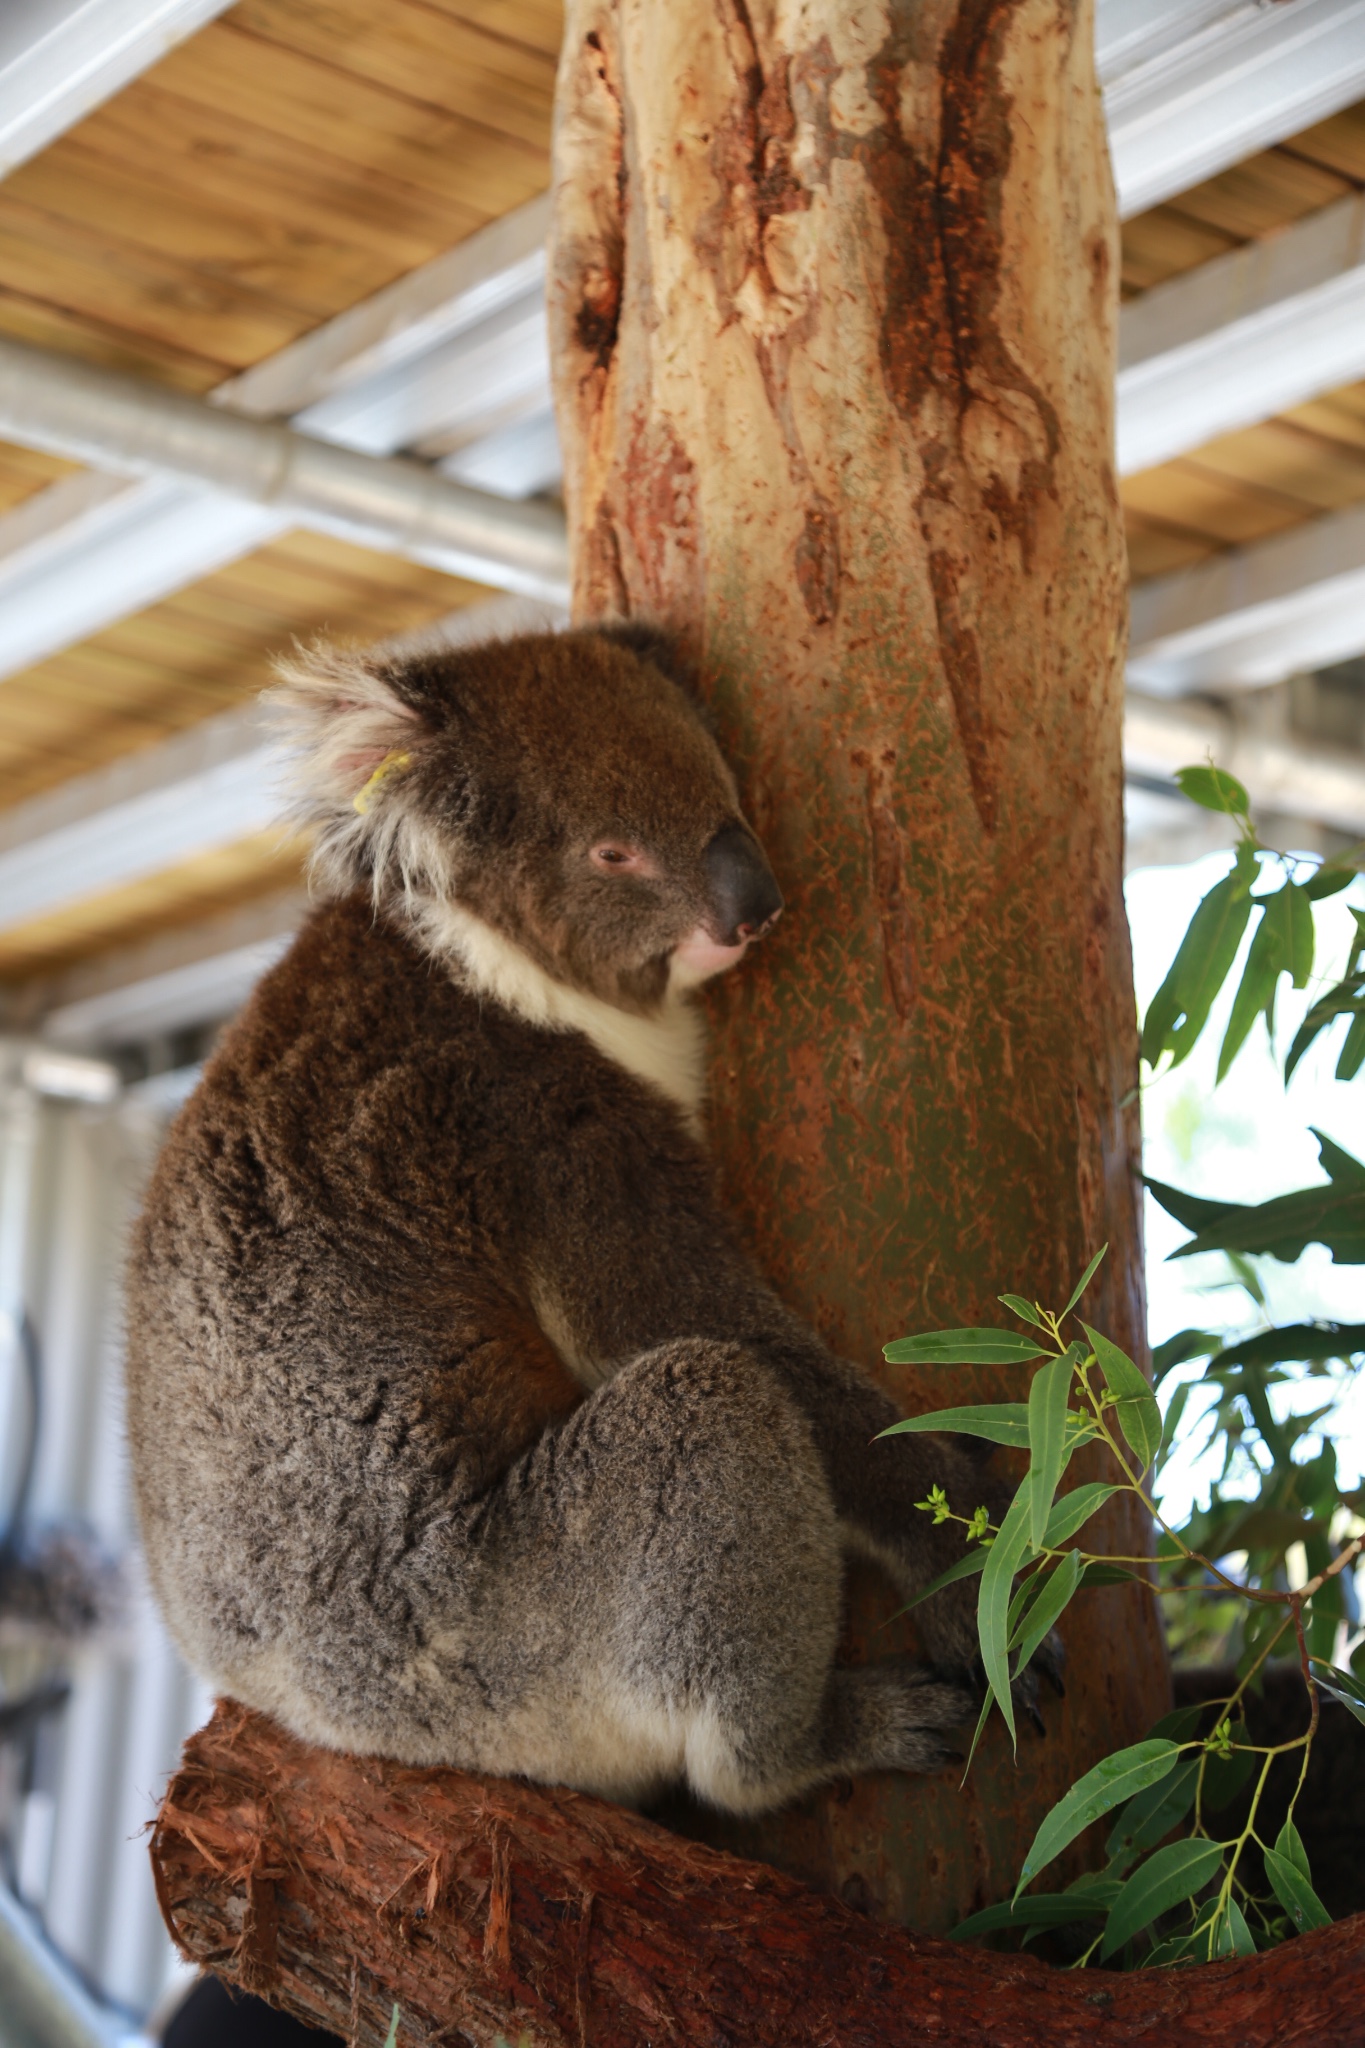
744	893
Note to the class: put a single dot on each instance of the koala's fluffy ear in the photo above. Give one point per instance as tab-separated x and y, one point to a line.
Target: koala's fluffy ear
654	644
339	716
351	737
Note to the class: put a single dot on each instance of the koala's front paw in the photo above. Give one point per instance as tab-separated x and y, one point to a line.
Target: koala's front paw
1048	1661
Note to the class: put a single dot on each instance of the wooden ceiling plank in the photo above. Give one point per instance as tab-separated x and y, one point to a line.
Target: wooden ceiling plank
1182	495
32	718
101	675
178	896
1155	549
1337	144
346	562
1319	474
431	58
178	645
1338	415
230	160
316	106
537	24
283	598
26	470
1268	191
255	247
95	340
1165	243
76	268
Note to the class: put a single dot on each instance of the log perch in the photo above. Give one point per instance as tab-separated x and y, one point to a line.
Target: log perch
339	1887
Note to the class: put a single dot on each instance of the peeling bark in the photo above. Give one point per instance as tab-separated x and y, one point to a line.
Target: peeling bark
341	1886
852	441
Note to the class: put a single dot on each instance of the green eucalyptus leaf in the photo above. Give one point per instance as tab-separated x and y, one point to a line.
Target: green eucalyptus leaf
1331	878
1333	1215
1289	1844
1179	1725
1294	1344
1027	1309
1048	1608
963	1347
1196	1212
1040	1909
1226	1776
1047	1434
1181	1005
1180	1949
993	1606
1148	1819
1345	999
1074	1510
999	1422
1340	1166
987	1703
1342	1685
1296	920
973	1561
1255	995
1215	789
1178	1350
1174	1873
1174	1416
1137	1412
1295	1893
1087	1276
1103	1574
1242	1942
1352	1048
1113	1780
1025	1593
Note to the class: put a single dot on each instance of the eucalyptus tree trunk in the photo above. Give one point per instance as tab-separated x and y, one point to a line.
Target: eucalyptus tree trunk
832	311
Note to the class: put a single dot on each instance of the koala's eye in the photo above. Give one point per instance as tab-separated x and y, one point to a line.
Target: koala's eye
614	857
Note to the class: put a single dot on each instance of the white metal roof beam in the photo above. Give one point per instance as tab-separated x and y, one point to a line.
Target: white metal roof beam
1255	614
1243	337
61	58
1193	86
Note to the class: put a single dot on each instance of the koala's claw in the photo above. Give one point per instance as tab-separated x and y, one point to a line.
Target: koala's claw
1047	1660
1050	1659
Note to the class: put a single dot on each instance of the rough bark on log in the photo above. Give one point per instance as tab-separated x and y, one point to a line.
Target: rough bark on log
833	304
338	1886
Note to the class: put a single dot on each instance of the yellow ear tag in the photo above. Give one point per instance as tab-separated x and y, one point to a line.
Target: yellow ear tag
390	765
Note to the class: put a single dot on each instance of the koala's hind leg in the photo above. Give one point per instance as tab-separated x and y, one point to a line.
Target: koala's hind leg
673	1554
876	1717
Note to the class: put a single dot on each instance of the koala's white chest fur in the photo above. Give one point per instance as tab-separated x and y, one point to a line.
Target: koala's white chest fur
667	1050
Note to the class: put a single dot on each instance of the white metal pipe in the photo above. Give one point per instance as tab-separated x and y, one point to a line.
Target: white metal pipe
117	422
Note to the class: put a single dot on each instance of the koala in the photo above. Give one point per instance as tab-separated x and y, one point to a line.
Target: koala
463	1429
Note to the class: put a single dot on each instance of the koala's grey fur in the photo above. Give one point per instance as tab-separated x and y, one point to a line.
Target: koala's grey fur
463	1430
